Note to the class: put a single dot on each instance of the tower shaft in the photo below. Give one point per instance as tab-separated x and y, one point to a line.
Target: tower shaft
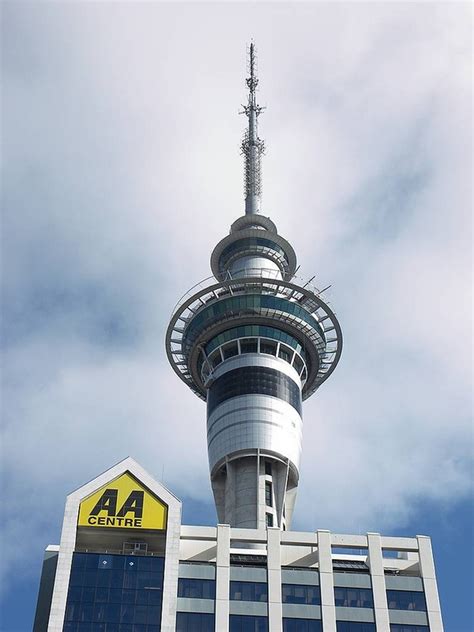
254	344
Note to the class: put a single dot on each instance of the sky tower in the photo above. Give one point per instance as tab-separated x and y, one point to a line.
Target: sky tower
254	343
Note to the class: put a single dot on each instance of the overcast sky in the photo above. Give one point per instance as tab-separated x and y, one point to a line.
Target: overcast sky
121	171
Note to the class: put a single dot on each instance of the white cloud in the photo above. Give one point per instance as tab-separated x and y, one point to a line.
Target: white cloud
122	172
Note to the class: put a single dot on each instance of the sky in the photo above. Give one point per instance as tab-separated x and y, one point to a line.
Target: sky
121	171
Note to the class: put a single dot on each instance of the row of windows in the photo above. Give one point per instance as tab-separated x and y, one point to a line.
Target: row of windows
72	626
250	304
253	331
253	379
113	613
406	600
200	622
250	243
291	593
115	579
353	597
91	594
131	563
253	345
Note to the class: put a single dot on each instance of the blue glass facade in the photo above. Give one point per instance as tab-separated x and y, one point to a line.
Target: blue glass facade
114	593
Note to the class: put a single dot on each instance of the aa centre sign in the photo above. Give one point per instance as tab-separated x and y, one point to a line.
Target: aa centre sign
123	503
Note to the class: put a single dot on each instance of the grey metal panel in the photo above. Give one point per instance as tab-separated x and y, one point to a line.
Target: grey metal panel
400	582
253	608
185	604
43	606
248	574
408	617
354	614
301	611
352	580
197	571
294	576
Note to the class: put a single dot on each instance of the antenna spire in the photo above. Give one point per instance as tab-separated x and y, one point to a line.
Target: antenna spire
252	146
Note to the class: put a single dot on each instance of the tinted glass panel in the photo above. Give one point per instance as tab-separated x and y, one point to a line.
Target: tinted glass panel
248	345
267	346
406	600
248	591
353	597
193	622
253	379
244	623
355	626
297	593
197	588
302	625
230	350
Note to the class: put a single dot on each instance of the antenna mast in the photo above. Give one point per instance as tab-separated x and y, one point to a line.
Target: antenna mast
252	146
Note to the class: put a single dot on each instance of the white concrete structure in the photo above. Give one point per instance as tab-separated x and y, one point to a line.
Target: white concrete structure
371	570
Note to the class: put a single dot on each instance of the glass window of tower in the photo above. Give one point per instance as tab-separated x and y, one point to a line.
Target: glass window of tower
353	597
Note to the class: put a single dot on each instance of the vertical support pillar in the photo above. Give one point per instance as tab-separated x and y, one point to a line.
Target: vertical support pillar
428	575
377	576
274	579
326	581
222	578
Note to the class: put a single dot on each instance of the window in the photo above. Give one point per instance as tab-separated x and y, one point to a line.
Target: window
298	364
285	353
244	623
355	626
406	600
268	468
297	593
197	588
268	494
353	597
194	622
114	590
400	627
230	350
267	346
215	359
253	379
248	345
269	519
248	591
302	625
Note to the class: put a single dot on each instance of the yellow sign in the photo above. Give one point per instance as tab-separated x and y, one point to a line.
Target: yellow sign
123	503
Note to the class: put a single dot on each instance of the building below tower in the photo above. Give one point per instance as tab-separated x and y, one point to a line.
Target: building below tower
126	564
